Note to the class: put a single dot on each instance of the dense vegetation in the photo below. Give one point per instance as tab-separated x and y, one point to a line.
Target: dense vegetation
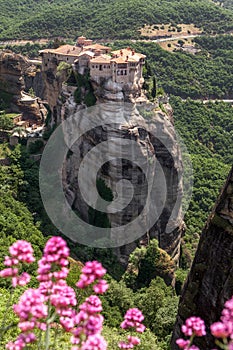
218	46
19	182
185	75
207	131
98	19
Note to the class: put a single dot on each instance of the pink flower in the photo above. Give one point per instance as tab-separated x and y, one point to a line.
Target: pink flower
62	296
194	325
219	330
133	319
9	272
88	322
21	341
183	344
91	305
21	280
52	266
31	306
91	272
100	287
94	342
22	250
9	261
132	341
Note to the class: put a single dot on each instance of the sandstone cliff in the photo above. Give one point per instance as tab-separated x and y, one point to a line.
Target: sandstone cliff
210	281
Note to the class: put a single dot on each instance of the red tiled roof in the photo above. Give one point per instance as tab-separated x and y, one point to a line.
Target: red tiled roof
119	60
96	47
101	59
128	52
68	50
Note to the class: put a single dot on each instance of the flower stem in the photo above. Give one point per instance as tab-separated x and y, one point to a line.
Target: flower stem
47	337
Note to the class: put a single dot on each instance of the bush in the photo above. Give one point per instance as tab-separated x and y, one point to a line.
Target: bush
36	146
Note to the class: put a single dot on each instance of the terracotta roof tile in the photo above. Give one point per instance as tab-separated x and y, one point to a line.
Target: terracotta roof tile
96	47
101	59
64	50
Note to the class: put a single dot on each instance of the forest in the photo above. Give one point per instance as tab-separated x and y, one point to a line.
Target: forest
112	19
203	76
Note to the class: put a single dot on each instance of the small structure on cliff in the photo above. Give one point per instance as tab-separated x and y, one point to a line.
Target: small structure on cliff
122	66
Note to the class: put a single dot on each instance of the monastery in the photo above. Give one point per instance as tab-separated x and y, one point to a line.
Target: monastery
122	66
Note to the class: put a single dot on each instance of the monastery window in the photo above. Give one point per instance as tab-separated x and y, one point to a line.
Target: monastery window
93	66
48	59
125	72
118	72
96	66
67	58
104	66
122	72
100	67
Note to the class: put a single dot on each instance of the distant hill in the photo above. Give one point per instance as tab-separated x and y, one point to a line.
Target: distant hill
104	18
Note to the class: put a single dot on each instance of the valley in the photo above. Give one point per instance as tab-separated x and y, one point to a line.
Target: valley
171	63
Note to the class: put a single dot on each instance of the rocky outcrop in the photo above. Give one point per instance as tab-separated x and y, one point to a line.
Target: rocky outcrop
11	71
53	80
33	80
168	227
151	150
210	281
16	75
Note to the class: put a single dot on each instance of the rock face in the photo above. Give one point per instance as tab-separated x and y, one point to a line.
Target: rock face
17	75
11	71
62	103
33	79
151	150
210	281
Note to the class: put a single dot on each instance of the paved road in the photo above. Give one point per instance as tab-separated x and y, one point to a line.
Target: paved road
210	101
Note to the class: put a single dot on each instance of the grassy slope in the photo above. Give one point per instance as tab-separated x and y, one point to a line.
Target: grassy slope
106	18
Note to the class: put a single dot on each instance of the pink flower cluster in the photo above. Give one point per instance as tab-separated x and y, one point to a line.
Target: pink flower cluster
133	320
130	344
32	312
63	298
89	324
86	323
194	326
224	328
186	344
21	341
53	264
21	251
93	271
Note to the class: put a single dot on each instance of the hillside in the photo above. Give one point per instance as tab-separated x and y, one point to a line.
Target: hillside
224	3
106	18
